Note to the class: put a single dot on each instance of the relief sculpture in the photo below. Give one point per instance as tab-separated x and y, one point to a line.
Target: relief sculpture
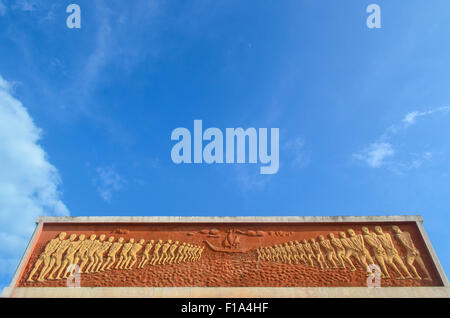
91	255
367	248
341	257
412	254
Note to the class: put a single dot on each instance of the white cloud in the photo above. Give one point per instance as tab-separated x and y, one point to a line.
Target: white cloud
29	183
401	167
411	117
375	154
108	181
4	85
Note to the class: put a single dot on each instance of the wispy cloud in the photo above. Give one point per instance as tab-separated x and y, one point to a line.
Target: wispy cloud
115	43
375	155
417	160
411	117
29	183
5	86
108	181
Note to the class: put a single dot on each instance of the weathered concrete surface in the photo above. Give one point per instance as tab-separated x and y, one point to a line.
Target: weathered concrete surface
230	292
228	219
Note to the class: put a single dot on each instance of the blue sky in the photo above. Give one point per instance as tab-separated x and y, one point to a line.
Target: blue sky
87	113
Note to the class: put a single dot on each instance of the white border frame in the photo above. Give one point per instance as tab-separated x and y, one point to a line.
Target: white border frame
13	291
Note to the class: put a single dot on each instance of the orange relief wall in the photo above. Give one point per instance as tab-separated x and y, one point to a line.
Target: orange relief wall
227	255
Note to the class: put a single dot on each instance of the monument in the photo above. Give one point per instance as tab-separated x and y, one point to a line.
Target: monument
377	256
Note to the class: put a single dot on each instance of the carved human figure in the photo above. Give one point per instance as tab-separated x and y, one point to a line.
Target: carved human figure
45	256
289	255
146	254
90	254
69	257
391	253
200	253
195	250
187	252
172	250
330	253
283	253
164	256
197	253
111	259
155	255
232	240
56	259
273	253
318	254
412	253
351	250
294	253
340	252
308	252
124	254
166	247
132	255
261	254
364	256
101	252
276	253
180	253
191	252
82	252
280	256
268	253
300	251
228	241
378	251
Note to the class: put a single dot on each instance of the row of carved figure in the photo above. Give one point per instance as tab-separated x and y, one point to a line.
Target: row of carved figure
61	256
363	247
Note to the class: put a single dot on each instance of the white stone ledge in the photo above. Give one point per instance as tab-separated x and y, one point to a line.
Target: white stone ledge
229	219
228	292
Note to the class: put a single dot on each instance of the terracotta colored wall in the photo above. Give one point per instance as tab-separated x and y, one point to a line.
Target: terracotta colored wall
233	266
